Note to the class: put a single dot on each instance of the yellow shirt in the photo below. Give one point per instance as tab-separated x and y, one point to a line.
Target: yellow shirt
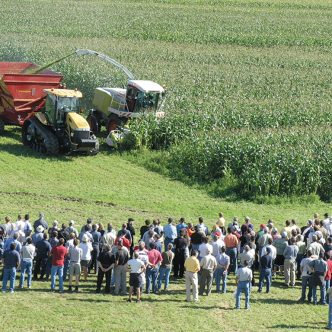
192	264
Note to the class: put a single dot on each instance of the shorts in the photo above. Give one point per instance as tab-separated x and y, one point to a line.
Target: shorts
135	280
85	263
75	269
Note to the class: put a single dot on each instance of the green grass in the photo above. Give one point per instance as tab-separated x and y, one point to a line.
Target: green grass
110	188
256	63
41	310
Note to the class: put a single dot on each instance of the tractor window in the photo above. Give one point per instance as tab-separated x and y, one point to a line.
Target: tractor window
50	108
65	105
147	101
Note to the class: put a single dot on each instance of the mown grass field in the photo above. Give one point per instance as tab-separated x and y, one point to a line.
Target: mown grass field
247	61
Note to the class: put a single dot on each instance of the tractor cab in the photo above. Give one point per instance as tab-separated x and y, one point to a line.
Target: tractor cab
59	102
144	96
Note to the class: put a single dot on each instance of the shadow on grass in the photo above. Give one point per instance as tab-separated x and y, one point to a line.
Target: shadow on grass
209	307
275	301
91	300
309	325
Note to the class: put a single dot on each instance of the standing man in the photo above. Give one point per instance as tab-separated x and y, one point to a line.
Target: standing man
120	269
11	261
106	260
220	273
170	233
131	229
243	280
58	259
40	222
182	224
192	267
265	270
28	253
152	269
43	249
181	246
208	266
231	242
165	267
95	247
306	276
290	254
136	268
75	256
319	268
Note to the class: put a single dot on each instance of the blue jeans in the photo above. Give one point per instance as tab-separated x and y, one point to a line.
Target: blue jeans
329	324
26	266
327	286
232	253
219	276
54	271
243	286
321	284
164	273
267	275
306	283
151	276
9	274
65	269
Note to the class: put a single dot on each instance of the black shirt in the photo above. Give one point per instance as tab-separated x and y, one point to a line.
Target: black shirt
121	257
43	247
106	259
197	238
180	243
266	262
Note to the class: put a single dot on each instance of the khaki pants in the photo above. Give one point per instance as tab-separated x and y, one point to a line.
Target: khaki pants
206	280
191	280
289	271
120	274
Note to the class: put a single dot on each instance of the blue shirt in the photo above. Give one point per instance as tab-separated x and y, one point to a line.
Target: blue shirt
11	259
37	237
170	232
43	248
179	227
9	241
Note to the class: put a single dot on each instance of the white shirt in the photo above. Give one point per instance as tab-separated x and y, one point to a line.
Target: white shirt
135	265
273	252
209	262
216	247
28	251
306	271
244	274
86	250
203	249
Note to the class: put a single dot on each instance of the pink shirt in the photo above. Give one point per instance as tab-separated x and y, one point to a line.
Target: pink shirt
154	257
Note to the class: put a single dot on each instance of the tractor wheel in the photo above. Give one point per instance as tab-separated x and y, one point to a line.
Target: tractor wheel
95	150
94	123
28	133
2	127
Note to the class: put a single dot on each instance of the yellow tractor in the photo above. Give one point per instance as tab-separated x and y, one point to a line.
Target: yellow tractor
58	126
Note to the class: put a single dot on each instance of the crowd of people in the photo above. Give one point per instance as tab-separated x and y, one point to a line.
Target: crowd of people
193	252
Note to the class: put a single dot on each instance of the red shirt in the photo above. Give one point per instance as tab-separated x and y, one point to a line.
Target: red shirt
329	270
58	255
154	256
126	243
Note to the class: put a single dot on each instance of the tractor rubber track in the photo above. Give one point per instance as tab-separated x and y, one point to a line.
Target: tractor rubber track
49	140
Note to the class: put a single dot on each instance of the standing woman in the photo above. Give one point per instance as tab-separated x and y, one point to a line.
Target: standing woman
86	247
28	253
